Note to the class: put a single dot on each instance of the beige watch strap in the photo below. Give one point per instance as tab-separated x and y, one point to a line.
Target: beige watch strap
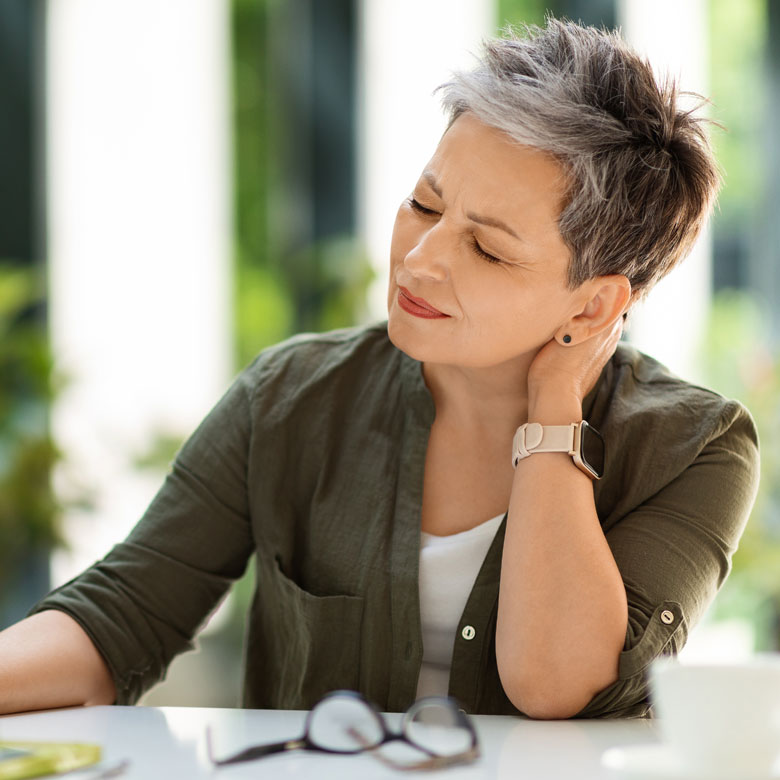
534	437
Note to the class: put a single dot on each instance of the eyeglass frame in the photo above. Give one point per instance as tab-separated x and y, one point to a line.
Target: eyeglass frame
304	742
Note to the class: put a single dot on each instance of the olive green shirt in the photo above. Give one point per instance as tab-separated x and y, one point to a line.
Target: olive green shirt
313	463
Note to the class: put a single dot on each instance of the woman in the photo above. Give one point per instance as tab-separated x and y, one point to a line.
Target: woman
566	185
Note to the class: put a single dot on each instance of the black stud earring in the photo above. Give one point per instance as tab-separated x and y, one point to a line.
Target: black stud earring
567	339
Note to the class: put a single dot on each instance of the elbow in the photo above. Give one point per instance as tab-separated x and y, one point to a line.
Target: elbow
102	689
541	704
106	694
549	694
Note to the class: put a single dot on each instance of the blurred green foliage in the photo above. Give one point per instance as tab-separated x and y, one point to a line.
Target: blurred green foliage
278	291
738	92
329	280
521	11
262	312
29	510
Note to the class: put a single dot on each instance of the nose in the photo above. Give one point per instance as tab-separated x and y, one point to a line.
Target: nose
431	253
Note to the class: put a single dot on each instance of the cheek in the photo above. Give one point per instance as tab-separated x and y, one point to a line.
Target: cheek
492	292
514	306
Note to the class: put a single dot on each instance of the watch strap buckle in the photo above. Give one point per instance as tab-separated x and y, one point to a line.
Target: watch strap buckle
534	437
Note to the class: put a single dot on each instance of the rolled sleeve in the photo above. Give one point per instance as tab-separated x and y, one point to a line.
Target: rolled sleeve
143	603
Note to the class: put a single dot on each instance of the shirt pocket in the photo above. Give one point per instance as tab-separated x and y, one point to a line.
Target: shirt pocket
305	645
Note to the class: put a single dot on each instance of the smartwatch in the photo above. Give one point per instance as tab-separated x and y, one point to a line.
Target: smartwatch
580	440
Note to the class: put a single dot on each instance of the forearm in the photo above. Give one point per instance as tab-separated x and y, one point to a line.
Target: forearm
48	661
562	613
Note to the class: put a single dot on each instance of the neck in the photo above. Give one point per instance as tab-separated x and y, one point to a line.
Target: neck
491	397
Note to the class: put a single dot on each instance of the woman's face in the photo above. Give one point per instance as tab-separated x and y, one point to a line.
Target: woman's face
478	267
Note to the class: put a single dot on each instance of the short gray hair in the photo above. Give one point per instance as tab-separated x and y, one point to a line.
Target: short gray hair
642	178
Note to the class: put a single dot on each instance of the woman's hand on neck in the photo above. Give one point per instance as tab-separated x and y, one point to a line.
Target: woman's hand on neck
561	375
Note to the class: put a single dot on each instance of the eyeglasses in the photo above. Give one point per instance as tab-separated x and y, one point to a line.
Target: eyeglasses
344	722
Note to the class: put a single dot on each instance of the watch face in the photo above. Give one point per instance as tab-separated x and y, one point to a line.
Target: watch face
592	450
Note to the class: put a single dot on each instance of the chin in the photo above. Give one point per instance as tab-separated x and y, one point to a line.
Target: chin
403	336
422	348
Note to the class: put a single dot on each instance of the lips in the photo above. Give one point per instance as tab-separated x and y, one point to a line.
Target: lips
418	307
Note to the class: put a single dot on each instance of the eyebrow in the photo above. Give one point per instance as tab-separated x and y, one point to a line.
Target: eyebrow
489	221
431	179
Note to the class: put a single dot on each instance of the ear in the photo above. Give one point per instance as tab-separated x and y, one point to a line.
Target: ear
604	299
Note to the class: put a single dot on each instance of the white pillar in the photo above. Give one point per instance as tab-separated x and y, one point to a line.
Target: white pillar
672	34
407	48
139	240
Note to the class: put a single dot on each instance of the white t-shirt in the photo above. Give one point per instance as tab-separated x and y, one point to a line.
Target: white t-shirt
449	566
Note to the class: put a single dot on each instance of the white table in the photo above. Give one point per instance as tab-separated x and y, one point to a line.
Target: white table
169	742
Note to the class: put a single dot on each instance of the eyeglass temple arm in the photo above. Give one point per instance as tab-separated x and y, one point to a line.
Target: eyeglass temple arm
434	762
251	753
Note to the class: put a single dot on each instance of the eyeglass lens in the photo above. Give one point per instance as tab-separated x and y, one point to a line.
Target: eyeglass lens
437	728
344	724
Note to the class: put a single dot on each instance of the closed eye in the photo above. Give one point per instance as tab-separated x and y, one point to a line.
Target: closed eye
419	208
482	253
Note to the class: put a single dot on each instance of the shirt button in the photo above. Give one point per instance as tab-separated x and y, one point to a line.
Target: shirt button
468	632
667	617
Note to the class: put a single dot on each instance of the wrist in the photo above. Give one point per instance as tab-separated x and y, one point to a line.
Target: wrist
554	408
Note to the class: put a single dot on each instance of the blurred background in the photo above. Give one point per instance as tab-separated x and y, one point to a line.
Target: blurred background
184	183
